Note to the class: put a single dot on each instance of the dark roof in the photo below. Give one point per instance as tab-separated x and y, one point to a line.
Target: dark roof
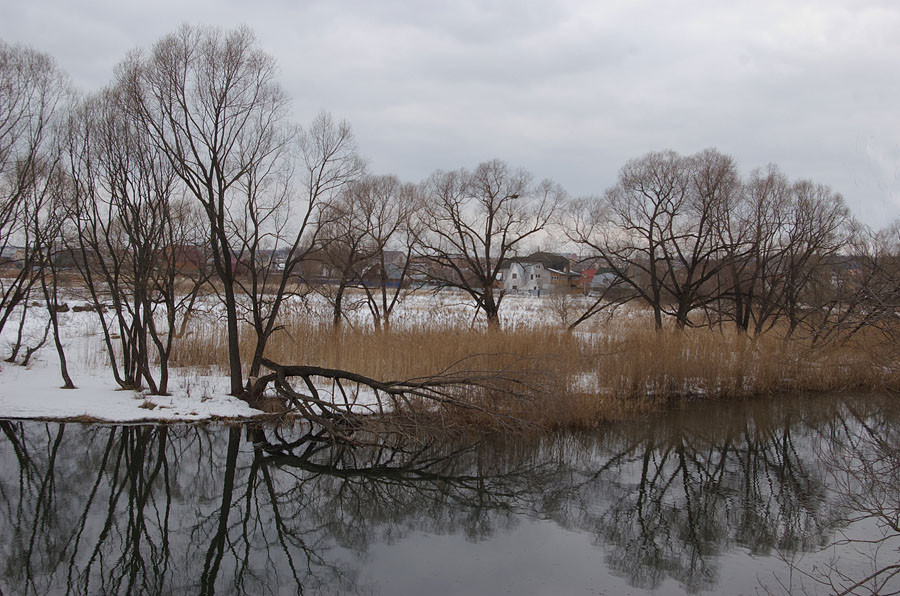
547	259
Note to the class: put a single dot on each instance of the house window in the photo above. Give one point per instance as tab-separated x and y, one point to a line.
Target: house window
515	275
532	276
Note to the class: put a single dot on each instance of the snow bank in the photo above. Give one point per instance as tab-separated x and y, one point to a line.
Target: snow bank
35	392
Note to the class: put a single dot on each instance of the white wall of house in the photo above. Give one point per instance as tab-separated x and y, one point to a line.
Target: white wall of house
514	278
533	278
538	278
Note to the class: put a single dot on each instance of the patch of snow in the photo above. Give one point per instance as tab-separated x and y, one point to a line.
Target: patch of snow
35	392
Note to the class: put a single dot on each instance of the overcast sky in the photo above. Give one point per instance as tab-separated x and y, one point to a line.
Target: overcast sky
570	89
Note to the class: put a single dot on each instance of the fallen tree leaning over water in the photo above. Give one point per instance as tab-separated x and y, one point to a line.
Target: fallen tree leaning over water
339	400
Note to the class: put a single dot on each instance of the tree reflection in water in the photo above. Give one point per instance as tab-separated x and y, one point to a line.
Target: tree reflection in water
252	510
863	471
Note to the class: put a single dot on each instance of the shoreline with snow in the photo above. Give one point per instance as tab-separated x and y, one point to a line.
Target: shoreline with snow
34	393
196	394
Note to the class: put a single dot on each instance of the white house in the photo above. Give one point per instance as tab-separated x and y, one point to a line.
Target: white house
526	277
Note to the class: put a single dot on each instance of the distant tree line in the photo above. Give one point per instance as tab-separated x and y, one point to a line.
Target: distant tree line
187	172
702	245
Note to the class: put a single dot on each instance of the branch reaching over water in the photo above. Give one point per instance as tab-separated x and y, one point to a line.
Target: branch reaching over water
338	399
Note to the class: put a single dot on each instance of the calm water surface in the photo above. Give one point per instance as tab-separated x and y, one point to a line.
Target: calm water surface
753	498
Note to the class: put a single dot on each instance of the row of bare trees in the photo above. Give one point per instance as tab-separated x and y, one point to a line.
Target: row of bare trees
33	95
185	168
187	171
700	244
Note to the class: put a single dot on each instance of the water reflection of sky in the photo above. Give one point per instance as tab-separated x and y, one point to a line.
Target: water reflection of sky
689	502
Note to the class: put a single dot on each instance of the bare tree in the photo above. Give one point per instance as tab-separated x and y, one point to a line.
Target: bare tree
392	206
880	280
346	248
129	224
787	240
49	223
630	228
328	162
211	103
472	221
751	237
694	250
818	228
32	92
371	215
44	205
685	234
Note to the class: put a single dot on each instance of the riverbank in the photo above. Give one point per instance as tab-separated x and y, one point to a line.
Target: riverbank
34	392
610	369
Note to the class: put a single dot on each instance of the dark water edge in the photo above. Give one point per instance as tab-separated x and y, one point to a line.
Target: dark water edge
740	498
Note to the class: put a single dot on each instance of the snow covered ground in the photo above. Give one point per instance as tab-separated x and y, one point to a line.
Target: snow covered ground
34	392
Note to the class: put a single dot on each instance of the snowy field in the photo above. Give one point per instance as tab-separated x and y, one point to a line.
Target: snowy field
33	391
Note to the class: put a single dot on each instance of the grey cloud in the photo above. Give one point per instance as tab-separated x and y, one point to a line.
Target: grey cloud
570	89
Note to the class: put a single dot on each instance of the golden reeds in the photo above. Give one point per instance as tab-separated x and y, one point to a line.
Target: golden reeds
615	369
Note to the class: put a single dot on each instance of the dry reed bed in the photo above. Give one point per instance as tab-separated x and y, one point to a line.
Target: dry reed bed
615	369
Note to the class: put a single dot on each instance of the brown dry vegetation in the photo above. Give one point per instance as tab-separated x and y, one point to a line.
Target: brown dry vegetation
617	369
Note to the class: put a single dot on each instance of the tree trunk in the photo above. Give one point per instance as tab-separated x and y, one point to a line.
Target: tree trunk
493	319
234	345
54	319
337	318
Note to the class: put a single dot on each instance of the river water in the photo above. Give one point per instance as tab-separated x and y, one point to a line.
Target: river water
783	495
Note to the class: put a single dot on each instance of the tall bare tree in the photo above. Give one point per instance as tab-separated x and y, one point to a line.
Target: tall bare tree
346	248
694	249
211	102
130	222
32	93
882	287
324	161
47	219
818	227
630	228
685	234
750	232
473	220
785	242
392	206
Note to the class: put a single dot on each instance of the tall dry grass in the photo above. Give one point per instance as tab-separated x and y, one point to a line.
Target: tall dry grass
615	369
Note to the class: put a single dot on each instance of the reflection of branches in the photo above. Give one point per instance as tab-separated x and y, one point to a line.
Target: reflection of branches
217	545
677	498
239	510
866	475
858	452
169	509
132	547
385	481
